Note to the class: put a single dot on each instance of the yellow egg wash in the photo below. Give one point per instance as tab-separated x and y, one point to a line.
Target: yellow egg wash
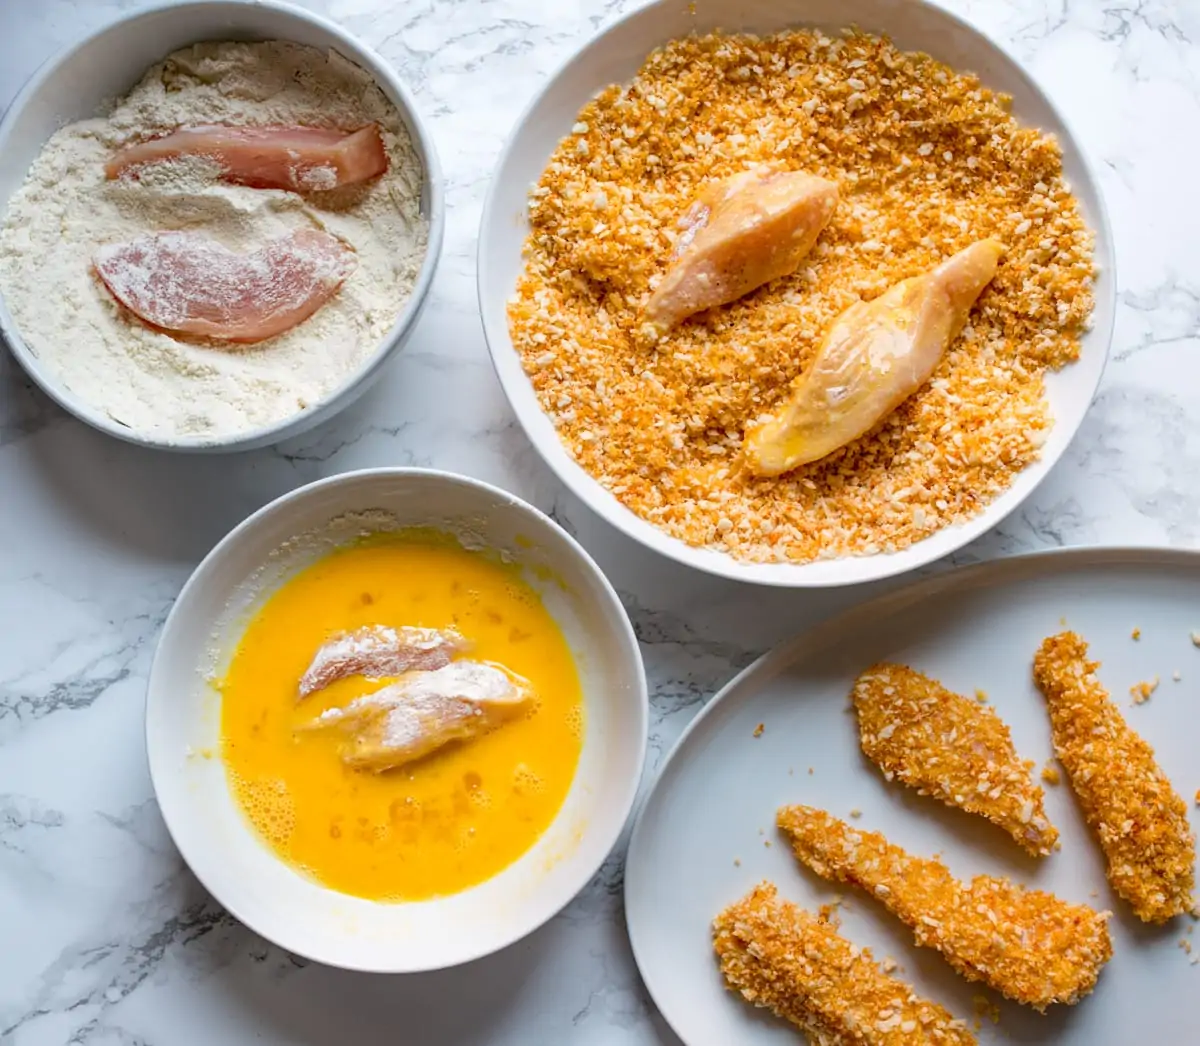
433	827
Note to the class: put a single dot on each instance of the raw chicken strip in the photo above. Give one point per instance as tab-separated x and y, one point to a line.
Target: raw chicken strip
740	233
304	159
1126	798
424	711
797	965
1028	945
875	356
951	748
188	283
376	651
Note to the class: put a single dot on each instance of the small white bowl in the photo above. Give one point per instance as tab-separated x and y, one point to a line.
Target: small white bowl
74	85
183	723
614	57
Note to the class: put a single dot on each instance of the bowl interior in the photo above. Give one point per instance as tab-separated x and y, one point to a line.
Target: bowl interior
76	84
183	713
614	57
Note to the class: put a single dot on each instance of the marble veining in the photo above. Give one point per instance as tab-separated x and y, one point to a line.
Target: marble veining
105	938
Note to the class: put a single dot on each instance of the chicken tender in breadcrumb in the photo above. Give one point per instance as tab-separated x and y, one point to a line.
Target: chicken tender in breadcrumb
790	961
952	748
1030	946
1126	798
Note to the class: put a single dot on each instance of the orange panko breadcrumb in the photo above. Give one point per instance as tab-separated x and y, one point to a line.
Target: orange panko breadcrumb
951	748
927	162
797	965
1126	798
1026	944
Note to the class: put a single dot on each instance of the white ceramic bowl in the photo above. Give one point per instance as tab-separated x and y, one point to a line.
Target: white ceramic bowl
105	65
183	714
615	56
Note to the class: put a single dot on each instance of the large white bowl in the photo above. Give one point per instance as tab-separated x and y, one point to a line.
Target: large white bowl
183	721
615	56
105	65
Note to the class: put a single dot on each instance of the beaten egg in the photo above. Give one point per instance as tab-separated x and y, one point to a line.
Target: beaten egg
432	827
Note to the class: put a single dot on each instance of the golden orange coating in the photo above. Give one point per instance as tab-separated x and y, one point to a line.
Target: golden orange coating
952	748
1029	945
798	966
927	161
1126	798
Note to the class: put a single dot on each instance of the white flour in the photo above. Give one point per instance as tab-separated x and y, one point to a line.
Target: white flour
156	384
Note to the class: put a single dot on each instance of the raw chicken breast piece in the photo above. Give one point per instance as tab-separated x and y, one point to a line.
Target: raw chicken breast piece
740	233
303	159
376	651
188	283
875	356
425	711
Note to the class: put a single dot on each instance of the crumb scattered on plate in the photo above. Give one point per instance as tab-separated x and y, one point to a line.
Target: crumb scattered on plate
1141	691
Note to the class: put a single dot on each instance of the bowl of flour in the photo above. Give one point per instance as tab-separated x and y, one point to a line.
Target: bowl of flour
239	64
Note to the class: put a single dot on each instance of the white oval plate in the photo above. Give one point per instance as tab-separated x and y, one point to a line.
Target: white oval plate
715	799
614	57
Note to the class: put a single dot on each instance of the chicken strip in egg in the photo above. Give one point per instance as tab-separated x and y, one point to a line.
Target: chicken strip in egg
423	712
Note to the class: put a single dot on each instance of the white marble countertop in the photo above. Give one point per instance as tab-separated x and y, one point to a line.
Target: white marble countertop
105	938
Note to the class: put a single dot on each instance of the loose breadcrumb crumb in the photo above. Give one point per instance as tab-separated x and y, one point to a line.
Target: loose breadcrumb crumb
1196	639
981	696
1028	945
985	1008
782	958
1176	675
927	161
1050	774
946	746
758	730
1126	798
1136	634
1141	691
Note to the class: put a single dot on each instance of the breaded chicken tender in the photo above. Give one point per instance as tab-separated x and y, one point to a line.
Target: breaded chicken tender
1126	798
1030	946
797	965
952	748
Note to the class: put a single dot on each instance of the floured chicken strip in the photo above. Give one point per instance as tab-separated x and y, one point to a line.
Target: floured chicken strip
1127	799
424	711
951	748
188	283
1029	945
797	965
303	159
377	651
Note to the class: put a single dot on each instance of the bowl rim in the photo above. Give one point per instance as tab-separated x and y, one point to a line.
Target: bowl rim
723	565
356	382
158	760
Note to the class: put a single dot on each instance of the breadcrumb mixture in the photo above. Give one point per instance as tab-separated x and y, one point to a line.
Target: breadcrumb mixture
927	161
